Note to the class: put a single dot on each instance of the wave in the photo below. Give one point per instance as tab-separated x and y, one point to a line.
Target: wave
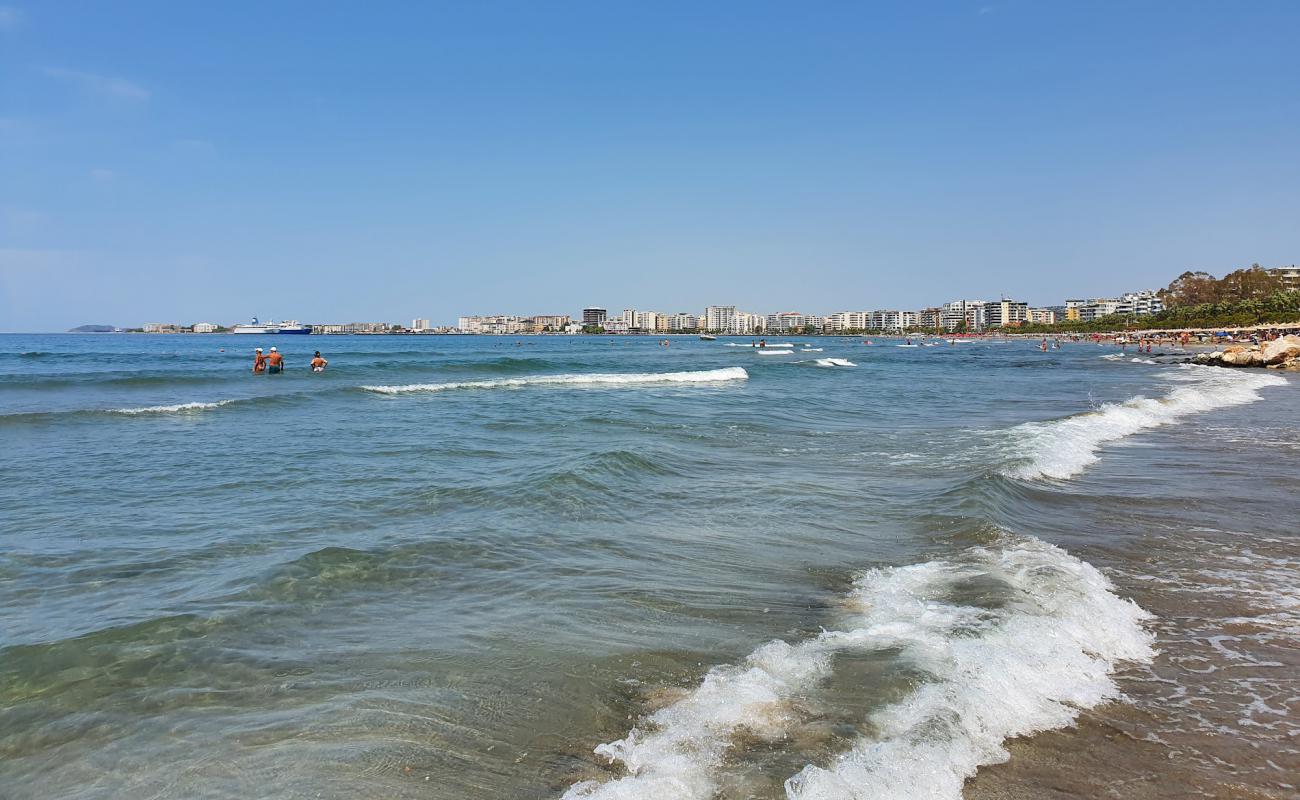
775	352
1043	649
1065	447
829	362
177	408
136	411
589	379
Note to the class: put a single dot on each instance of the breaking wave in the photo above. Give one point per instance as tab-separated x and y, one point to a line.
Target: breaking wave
178	408
1029	659
591	379
1065	447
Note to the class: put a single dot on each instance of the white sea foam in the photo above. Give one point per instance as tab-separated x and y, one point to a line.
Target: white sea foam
834	362
993	673
1065	447
179	408
1031	667
590	379
775	352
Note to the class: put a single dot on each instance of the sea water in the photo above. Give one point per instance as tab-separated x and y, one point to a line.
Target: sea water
572	567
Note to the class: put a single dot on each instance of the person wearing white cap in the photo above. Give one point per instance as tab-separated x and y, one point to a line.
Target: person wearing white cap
274	362
259	362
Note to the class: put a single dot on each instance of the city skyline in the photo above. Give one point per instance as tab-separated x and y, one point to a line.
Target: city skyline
426	160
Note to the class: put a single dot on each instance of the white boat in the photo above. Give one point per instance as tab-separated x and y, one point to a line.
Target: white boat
706	337
272	328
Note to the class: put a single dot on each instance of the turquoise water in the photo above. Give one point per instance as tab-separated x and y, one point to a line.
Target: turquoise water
595	566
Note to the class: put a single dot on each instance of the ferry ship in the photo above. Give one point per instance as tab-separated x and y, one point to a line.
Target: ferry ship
284	326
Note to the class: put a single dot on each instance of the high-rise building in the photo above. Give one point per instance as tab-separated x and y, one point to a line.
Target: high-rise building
719	318
1138	303
969	312
419	324
744	323
785	321
593	316
682	321
847	321
1005	313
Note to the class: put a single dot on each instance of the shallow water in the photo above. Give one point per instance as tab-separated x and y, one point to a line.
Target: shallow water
538	567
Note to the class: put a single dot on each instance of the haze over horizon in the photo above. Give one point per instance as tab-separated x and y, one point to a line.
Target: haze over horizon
177	163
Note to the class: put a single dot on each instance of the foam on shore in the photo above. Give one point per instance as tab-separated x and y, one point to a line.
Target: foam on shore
992	673
591	379
1065	447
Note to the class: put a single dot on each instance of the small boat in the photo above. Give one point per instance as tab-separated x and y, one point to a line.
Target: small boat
704	337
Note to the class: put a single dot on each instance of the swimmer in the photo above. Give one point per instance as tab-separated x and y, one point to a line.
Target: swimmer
259	362
318	364
274	362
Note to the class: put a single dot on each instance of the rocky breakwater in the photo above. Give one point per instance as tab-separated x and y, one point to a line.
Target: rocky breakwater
1283	353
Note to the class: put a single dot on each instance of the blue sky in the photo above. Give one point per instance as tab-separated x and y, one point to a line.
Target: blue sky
380	161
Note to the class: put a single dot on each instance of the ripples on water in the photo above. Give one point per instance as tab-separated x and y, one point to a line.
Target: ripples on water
595	567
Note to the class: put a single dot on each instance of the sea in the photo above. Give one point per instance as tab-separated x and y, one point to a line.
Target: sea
575	567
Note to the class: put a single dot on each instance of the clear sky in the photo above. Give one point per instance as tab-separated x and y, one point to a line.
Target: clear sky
180	162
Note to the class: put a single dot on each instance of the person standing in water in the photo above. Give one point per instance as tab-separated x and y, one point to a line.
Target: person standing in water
259	362
318	364
274	362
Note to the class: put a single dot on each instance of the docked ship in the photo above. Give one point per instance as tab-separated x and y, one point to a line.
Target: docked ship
284	326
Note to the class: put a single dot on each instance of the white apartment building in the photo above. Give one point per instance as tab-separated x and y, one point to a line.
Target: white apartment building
652	321
206	327
784	321
683	321
1042	316
1006	312
848	320
1095	309
718	318
970	312
1144	302
419	324
493	324
744	323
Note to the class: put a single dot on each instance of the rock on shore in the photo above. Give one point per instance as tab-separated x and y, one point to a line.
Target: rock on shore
1283	353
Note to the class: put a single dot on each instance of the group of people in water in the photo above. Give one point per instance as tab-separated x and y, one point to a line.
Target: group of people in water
272	363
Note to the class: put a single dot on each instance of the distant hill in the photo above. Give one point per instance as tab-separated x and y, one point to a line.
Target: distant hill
93	329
